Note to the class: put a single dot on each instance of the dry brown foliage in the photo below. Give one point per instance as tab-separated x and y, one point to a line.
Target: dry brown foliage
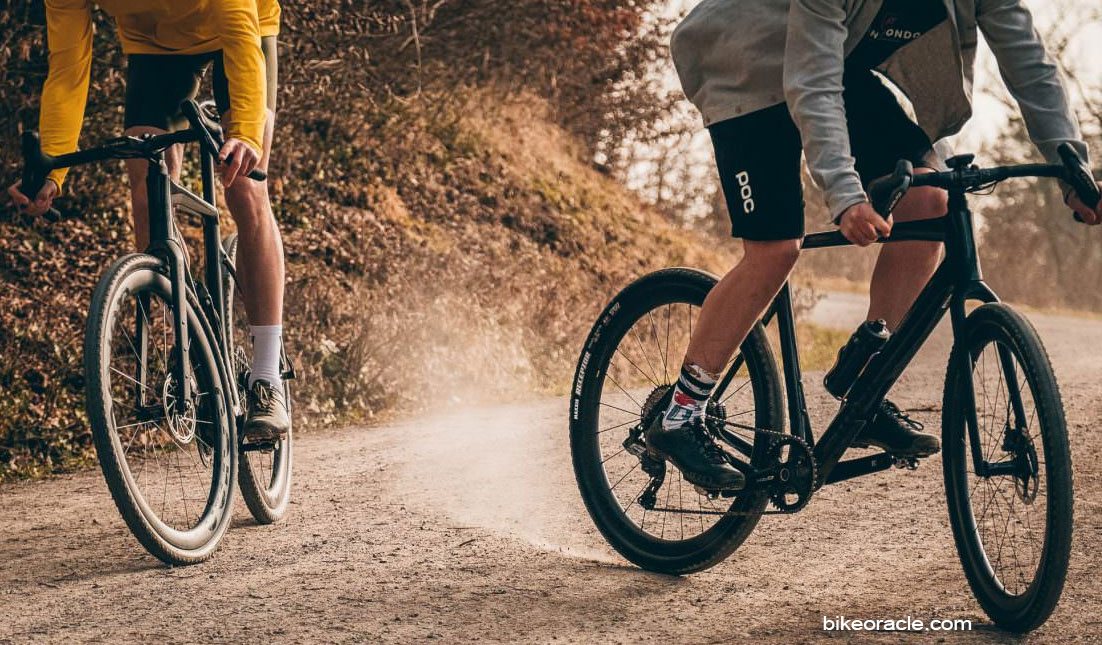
447	236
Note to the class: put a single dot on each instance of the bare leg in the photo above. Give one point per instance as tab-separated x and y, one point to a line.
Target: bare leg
737	301
260	268
904	268
136	171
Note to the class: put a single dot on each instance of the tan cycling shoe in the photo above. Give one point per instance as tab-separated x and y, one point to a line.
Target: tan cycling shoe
266	416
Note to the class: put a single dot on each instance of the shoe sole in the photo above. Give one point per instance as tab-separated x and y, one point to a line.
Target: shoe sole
261	434
917	454
654	454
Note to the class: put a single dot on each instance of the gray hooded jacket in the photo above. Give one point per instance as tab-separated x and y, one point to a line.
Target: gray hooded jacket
738	56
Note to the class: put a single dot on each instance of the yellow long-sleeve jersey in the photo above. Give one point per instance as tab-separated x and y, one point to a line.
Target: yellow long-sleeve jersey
156	27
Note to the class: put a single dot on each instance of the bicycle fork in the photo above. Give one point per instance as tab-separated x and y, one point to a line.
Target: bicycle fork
165	245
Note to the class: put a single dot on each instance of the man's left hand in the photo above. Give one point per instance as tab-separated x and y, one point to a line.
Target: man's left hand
237	159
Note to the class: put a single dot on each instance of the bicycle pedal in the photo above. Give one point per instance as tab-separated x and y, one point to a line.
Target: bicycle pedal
260	446
634	447
910	463
710	494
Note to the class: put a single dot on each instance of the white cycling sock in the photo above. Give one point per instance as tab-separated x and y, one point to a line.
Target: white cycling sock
267	341
689	396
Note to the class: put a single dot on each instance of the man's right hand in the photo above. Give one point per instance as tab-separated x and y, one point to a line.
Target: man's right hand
862	225
42	202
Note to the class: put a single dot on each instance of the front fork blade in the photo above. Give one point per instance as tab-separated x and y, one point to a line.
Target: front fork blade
141	337
177	272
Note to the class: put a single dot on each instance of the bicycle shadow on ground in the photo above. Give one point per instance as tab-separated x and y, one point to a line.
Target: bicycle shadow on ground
46	556
67	531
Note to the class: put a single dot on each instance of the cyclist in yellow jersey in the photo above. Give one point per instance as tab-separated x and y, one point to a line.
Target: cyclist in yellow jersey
169	45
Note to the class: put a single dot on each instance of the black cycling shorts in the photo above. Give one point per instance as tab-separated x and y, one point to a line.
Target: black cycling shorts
758	156
156	85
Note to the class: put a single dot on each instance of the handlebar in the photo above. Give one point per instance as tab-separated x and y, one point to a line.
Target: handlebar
37	165
885	194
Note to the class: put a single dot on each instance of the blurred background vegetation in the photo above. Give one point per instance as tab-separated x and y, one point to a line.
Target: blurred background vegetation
462	185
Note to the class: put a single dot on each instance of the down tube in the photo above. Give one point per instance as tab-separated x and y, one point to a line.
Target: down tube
885	368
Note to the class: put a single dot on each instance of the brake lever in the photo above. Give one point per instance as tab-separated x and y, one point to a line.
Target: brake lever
207	131
1079	177
885	194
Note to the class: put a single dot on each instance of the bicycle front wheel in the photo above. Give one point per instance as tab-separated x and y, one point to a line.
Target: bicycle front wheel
625	375
1009	485
169	460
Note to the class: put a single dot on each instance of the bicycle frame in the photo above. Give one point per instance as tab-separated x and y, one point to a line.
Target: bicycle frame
164	195
957	280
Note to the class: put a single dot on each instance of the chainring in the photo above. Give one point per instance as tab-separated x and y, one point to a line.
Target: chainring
795	473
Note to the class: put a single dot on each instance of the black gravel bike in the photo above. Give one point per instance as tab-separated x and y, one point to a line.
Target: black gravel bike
166	414
1007	465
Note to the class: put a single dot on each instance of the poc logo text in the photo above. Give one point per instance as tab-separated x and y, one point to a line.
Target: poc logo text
746	193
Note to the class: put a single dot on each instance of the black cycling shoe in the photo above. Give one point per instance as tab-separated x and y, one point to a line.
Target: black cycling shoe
895	433
693	450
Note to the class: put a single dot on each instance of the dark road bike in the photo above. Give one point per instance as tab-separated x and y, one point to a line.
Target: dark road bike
166	415
1007	466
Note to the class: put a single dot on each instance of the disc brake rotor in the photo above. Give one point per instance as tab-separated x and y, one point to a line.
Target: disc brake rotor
1026	482
181	419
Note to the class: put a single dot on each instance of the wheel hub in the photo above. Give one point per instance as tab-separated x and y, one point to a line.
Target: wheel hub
181	419
1024	453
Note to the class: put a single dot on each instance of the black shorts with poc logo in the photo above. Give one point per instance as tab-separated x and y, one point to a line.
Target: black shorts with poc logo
758	156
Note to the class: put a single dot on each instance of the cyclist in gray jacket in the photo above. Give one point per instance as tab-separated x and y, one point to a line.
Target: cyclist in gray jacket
777	78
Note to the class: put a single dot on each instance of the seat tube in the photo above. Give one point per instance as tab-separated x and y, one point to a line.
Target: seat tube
793	379
161	243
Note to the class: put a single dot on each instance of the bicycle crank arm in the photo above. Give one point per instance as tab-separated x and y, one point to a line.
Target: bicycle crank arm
858	467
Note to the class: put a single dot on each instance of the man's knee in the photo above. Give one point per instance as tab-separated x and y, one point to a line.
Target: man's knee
777	254
247	201
922	203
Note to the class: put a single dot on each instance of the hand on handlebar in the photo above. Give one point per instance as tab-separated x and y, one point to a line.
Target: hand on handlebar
237	159
1084	213
42	203
862	225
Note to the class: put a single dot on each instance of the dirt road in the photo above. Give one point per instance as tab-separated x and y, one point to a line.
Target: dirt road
467	526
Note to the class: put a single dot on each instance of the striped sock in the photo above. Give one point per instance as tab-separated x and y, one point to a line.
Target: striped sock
690	396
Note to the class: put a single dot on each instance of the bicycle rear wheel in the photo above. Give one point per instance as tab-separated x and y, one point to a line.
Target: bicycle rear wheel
1010	491
265	473
629	364
169	462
